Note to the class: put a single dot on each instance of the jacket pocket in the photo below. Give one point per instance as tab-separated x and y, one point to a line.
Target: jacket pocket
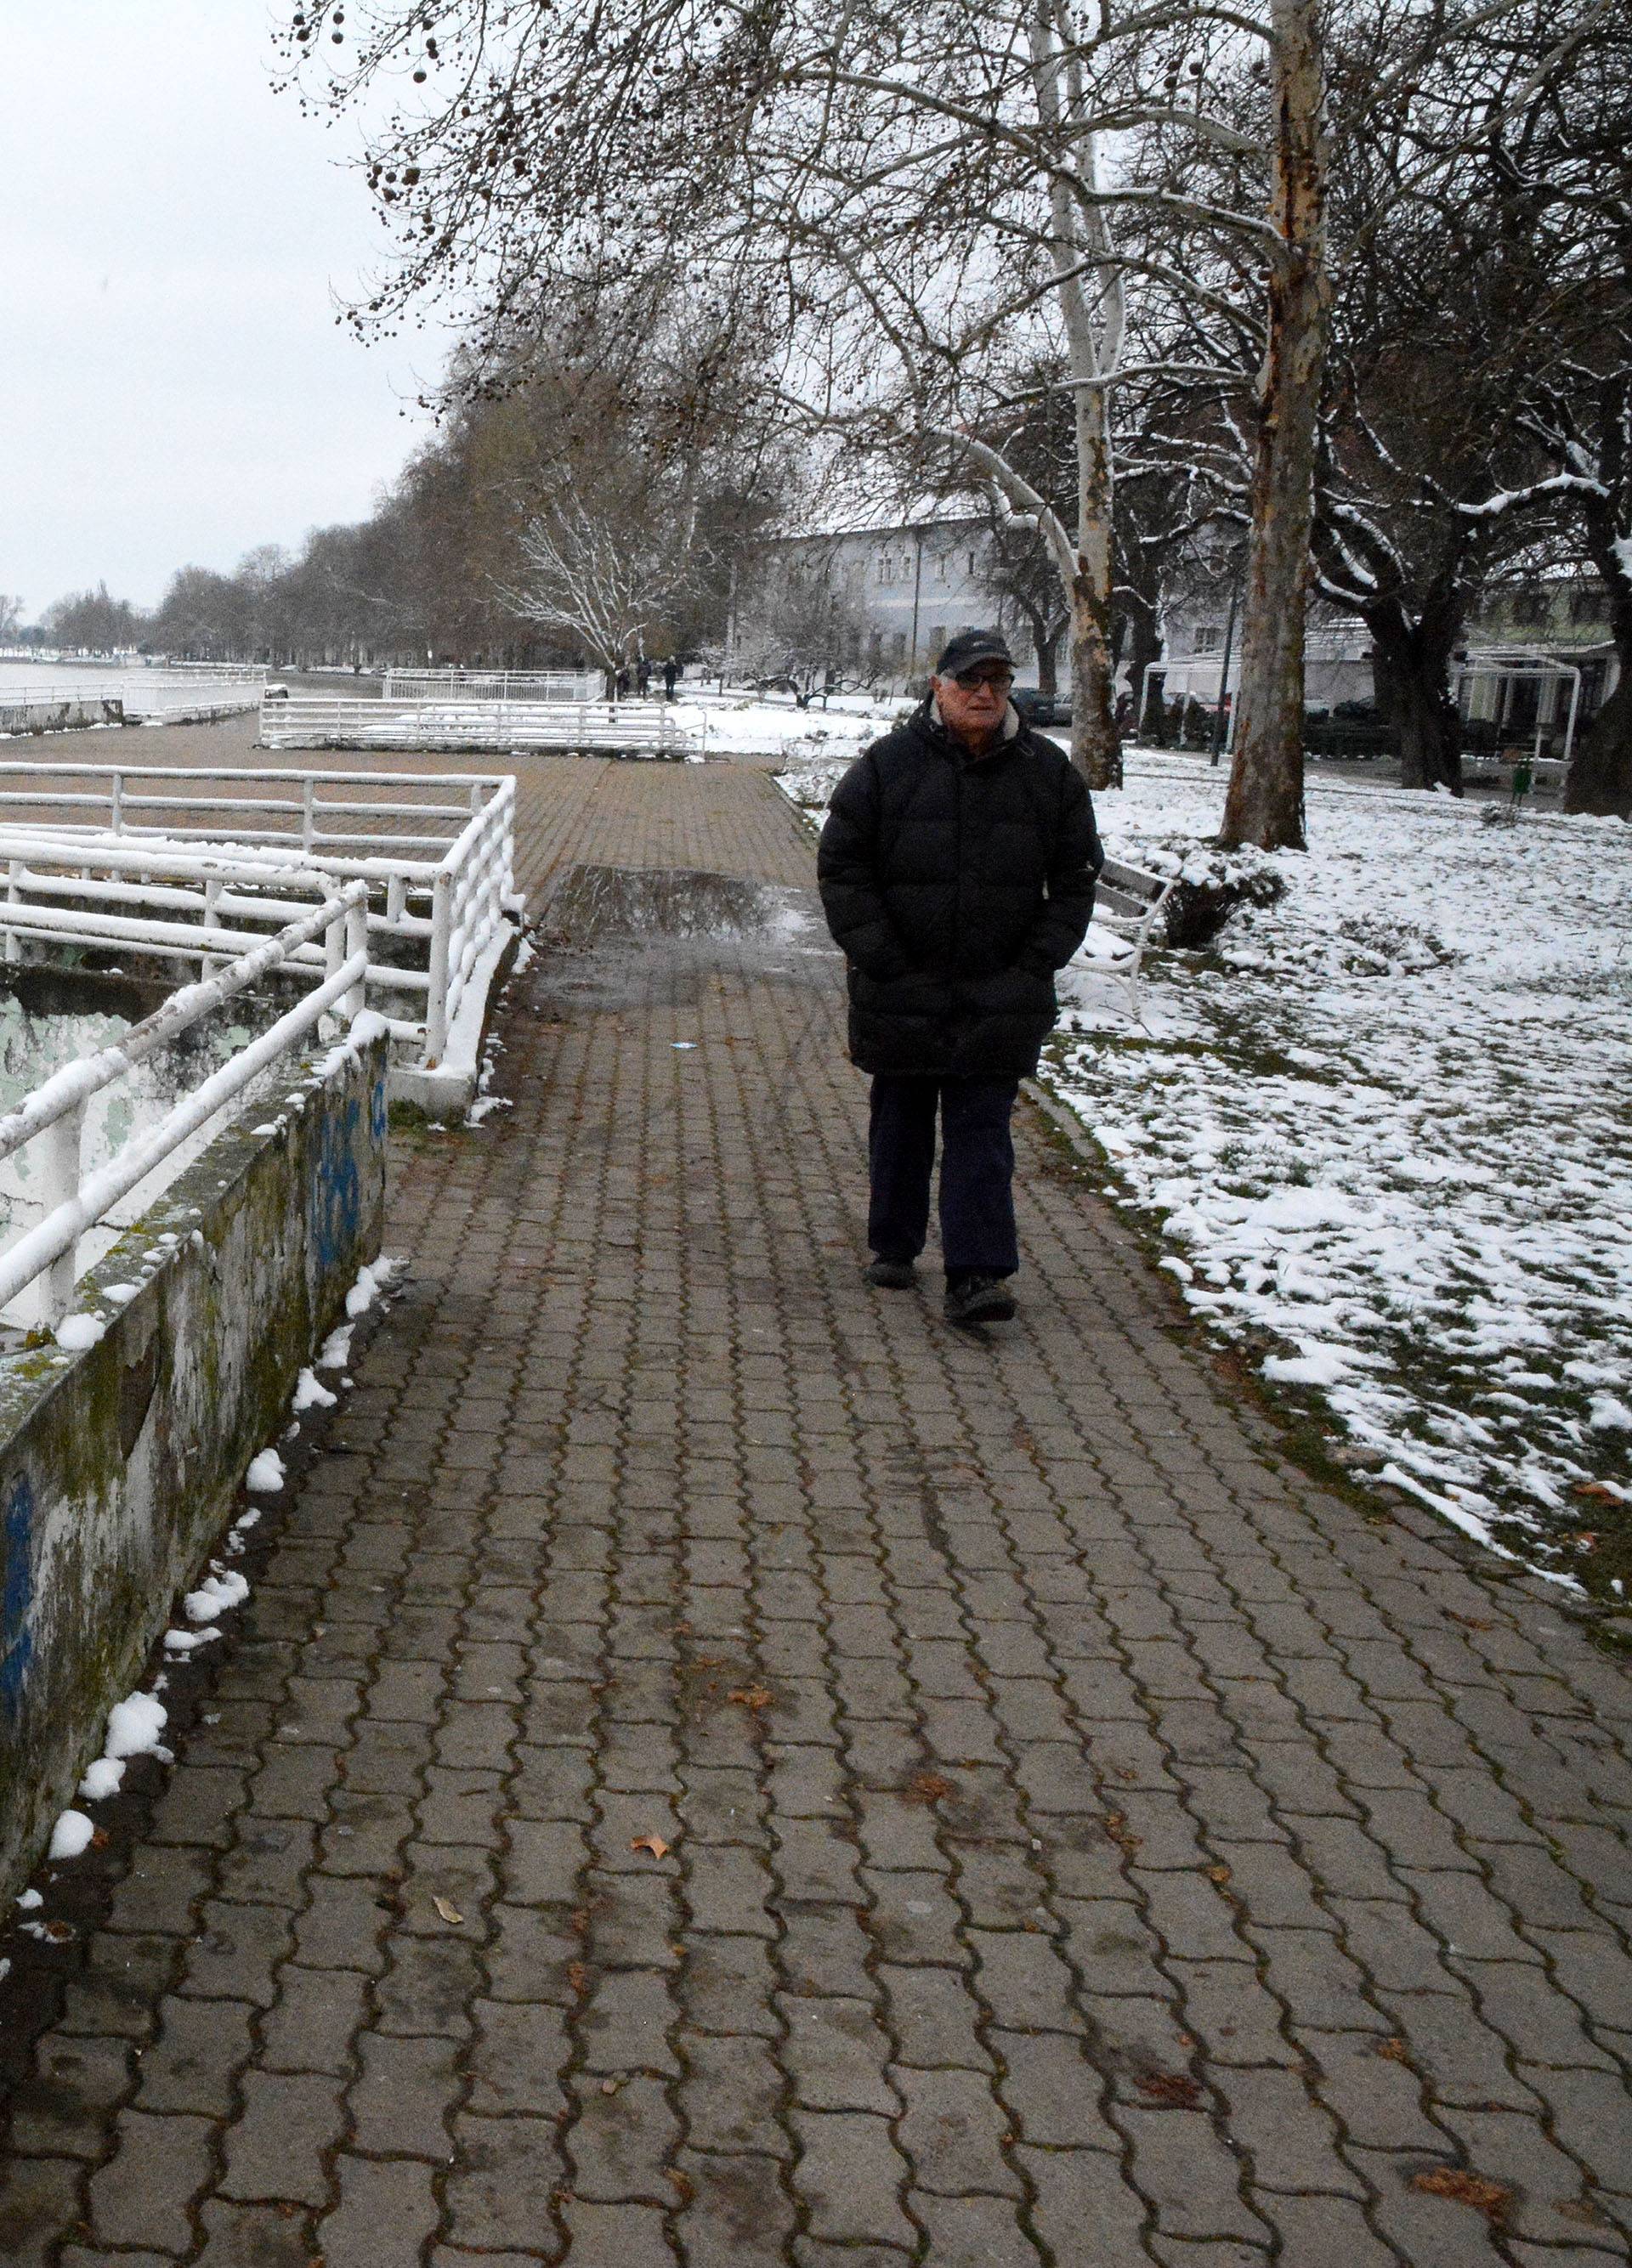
1024	993
915	994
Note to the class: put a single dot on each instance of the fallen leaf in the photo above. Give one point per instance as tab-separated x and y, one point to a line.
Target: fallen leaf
1121	1834
1600	1491
685	2189
577	1976
655	1843
1168	2087
448	1911
1469	1622
752	1697
1463	2188
1219	1875
927	1787
1394	2050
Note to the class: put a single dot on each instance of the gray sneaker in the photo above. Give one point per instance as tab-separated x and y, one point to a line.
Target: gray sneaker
890	1274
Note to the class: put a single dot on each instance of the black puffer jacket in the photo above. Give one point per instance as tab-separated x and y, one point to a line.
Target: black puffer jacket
957	886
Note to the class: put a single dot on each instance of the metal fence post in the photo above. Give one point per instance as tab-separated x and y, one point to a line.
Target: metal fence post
207	962
116	804
309	814
61	1142
436	998
356	942
12	895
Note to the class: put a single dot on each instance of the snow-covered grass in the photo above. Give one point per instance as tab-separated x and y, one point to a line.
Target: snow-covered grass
774	726
1383	1129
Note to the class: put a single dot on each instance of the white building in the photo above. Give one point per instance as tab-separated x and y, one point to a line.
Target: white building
913	575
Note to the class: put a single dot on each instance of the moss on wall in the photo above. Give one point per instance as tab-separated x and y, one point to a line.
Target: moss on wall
118	1465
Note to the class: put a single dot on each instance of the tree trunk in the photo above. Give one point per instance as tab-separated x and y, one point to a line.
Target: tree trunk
1265	804
1144	640
1600	778
1410	670
1096	744
1047	658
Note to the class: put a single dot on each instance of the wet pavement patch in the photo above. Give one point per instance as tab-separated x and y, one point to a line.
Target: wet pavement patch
595	905
611	924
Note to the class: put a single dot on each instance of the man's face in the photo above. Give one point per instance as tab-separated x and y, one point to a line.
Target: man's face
973	702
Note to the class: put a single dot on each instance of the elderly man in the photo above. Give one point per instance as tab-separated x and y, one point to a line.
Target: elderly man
958	869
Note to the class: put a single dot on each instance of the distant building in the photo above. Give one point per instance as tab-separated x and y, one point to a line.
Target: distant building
1536	650
912	574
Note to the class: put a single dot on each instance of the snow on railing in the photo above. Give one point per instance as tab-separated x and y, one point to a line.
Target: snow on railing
458	720
495	684
439	871
54	1115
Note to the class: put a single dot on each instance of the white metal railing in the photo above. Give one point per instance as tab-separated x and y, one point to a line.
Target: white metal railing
495	684
139	695
54	1115
318	720
437	867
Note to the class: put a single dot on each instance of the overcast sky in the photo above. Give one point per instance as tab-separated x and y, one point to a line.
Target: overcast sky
174	388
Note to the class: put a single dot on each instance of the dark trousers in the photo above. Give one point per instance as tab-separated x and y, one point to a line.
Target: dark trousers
976	1171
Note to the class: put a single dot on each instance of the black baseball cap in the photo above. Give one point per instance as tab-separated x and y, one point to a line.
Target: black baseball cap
971	646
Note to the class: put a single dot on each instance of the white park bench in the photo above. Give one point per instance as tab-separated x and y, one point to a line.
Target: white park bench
1127	902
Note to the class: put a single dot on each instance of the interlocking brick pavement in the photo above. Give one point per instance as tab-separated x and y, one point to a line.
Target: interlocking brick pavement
717	1768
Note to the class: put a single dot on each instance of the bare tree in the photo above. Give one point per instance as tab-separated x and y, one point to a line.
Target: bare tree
610	582
803	626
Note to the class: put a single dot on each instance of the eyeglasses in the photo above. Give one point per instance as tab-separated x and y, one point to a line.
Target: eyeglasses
1000	680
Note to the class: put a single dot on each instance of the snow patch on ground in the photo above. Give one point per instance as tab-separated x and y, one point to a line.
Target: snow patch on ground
371	1282
71	1836
266	1472
219	1590
311	1392
134	1726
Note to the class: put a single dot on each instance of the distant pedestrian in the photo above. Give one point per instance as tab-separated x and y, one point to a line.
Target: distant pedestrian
1523	779
643	677
671	671
957	868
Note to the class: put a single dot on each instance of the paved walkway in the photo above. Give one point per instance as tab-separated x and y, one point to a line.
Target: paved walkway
718	1768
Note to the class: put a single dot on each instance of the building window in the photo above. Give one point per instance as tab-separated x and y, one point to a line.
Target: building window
971	566
940	567
883	566
898	645
1588	603
1530	606
1209	637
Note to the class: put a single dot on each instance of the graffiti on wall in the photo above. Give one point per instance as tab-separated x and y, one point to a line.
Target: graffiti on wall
17	1525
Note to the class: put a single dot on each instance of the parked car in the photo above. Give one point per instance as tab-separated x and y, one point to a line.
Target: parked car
1039	708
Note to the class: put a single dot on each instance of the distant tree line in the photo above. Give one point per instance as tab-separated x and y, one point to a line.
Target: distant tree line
572	508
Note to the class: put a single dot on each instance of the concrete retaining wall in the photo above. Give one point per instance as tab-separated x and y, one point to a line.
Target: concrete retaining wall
118	1465
19	714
